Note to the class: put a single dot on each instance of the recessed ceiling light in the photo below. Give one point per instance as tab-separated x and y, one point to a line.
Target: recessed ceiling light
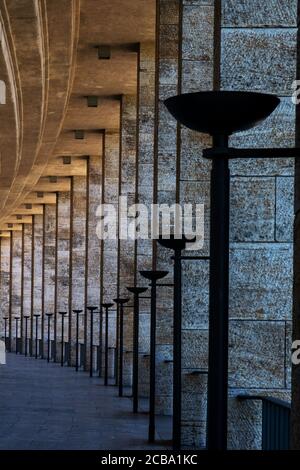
104	52
79	134
67	160
92	101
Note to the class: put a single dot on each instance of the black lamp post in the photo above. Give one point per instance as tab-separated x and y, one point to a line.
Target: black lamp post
26	333
120	303
36	315
136	291
5	330
63	314
153	277
220	114
92	310
48	315
17	331
106	306
77	312
177	245
100	341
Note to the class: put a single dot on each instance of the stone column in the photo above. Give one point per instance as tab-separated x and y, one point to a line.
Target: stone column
16	276
27	267
49	261
78	247
109	248
259	37
5	280
127	246
196	69
37	275
94	174
63	266
145	165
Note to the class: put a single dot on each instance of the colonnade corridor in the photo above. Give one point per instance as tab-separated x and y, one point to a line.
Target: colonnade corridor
47	407
150	227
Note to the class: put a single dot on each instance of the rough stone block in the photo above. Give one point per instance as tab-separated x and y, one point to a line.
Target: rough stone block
284	209
252	204
253	59
259	13
195	294
257	354
261	281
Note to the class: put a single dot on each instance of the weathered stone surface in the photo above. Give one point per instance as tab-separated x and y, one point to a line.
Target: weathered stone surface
38	268
78	262
195	46
192	166
193	425
262	166
244	424
284	209
5	279
252	209
195	294
278	130
49	266
260	281
257	354
195	349
253	59
259	13
27	271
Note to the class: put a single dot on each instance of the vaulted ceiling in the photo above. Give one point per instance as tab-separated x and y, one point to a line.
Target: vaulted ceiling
49	63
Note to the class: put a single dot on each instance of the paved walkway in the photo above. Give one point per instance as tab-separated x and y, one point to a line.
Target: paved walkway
45	406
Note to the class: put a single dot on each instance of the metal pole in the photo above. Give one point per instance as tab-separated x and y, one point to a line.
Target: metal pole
49	315
91	309
36	334
121	345
5	331
62	337
135	371
153	276
106	306
120	308
17	329
135	363
218	301
77	339
106	347
100	341
117	345
177	352
26	333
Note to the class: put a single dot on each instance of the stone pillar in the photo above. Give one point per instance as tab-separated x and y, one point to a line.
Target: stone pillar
127	246
27	267
94	174
259	37
15	307
78	247
5	280
49	261
196	68
295	414
109	248
63	267
145	165
37	275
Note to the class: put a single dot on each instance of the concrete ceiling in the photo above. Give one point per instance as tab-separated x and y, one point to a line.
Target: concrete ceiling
49	62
